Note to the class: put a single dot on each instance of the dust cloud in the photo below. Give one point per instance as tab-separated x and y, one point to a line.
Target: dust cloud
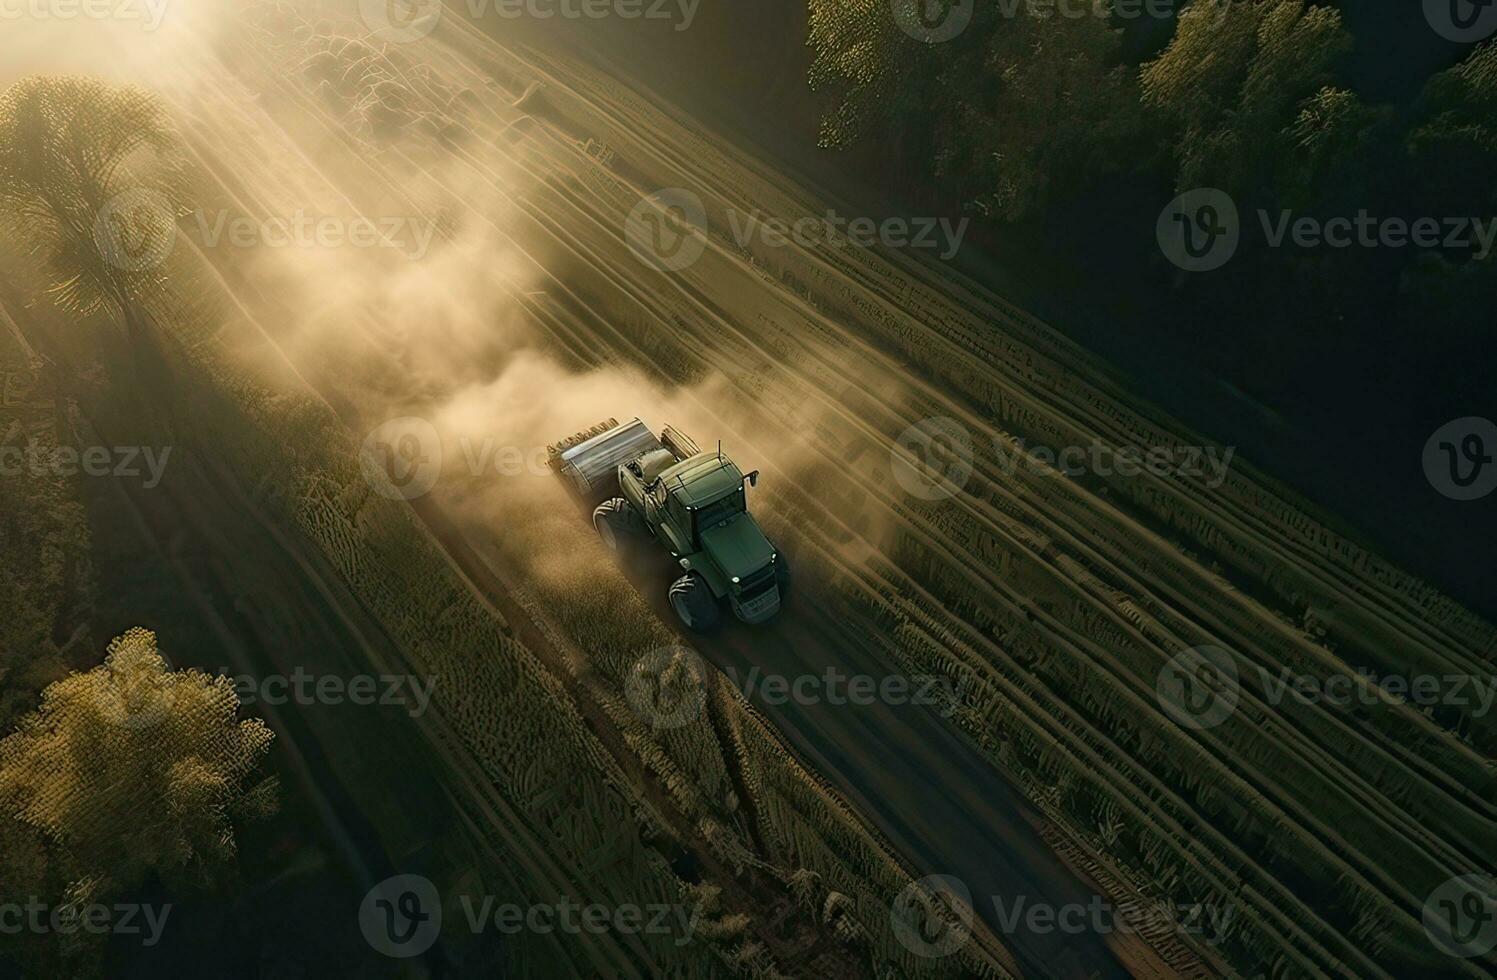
454	316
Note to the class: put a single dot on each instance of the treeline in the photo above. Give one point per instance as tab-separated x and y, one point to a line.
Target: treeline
1073	133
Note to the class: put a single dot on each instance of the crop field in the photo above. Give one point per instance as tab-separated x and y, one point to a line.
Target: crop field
907	423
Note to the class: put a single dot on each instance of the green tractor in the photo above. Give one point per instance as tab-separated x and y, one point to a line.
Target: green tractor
691	503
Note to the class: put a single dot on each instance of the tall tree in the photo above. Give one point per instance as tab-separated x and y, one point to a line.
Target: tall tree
1453	144
1042	106
857	50
1233	81
132	770
1452	154
91	175
1016	108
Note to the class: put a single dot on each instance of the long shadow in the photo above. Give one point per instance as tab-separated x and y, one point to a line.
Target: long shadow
904	765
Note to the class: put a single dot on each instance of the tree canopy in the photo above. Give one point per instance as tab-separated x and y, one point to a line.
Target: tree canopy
133	770
89	174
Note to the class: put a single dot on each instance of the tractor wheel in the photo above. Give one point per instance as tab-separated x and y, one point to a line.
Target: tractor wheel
694	603
618	525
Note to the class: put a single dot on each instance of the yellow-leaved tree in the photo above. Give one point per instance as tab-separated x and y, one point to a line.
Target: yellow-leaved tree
128	772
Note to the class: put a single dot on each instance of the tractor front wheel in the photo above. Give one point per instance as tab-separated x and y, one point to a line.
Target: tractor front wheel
694	603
